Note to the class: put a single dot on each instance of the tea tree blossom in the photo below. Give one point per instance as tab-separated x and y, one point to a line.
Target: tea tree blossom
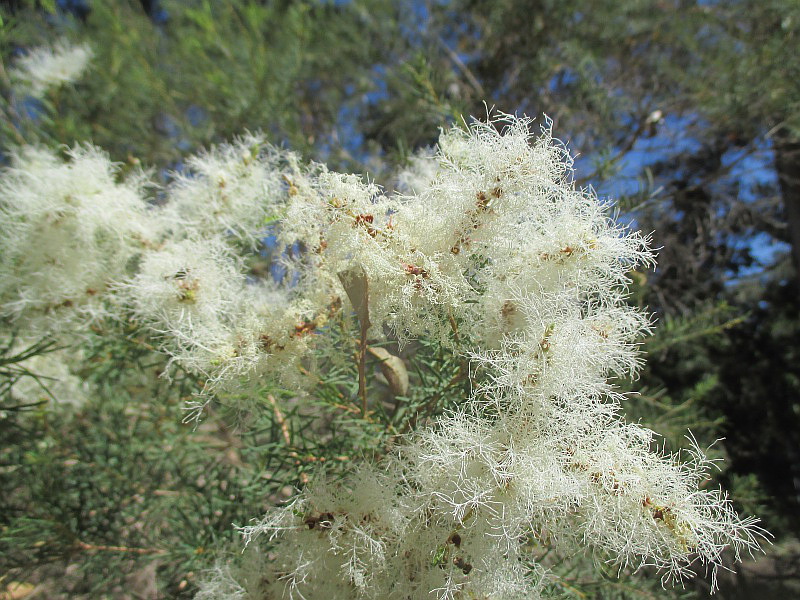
47	67
531	274
467	507
491	252
195	297
47	376
68	230
229	190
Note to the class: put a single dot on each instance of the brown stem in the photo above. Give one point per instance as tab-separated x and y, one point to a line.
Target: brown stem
453	325
280	419
356	285
362	371
101	548
311	458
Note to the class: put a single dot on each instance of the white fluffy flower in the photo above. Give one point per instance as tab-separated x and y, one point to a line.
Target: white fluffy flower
46	67
50	376
233	189
68	229
213	321
531	274
469	507
494	254
498	221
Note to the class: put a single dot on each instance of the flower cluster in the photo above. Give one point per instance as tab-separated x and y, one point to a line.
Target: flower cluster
68	230
230	190
497	244
468	507
47	67
42	376
491	251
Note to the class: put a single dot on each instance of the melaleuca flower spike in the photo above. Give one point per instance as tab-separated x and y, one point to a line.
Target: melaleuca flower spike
493	255
68	231
47	67
494	237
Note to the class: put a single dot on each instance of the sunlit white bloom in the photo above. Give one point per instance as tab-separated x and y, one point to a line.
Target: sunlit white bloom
46	67
213	321
492	252
497	219
233	189
50	376
68	229
419	174
497	255
468	507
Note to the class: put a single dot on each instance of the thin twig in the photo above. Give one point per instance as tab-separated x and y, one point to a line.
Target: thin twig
102	548
311	458
631	142
280	419
362	371
476	85
344	407
453	325
458	377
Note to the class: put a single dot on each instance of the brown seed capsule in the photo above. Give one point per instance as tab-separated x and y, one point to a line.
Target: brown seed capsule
507	310
415	270
326	520
462	564
364	219
265	342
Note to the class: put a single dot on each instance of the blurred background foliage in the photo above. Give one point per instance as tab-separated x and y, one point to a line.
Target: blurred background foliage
687	113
